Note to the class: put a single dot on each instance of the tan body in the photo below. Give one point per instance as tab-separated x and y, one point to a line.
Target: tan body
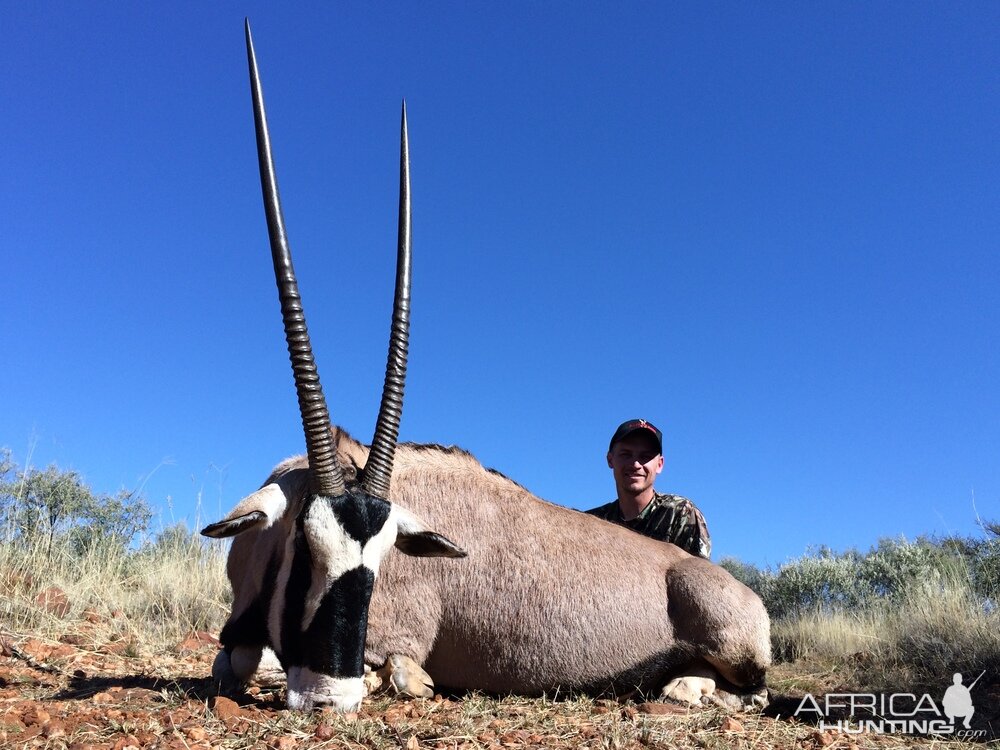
547	598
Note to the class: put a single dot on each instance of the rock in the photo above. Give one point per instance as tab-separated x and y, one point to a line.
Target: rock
36	649
224	708
660	709
196	734
824	738
196	642
61	650
35	716
54	601
324	732
731	725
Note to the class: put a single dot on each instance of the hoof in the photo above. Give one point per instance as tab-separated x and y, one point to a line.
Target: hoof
372	681
690	690
737	701
234	671
269	670
405	677
223	676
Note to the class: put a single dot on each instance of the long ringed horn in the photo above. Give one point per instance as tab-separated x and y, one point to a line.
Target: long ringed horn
378	470
325	475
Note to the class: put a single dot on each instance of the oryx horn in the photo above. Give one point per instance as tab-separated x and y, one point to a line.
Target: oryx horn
325	476
378	470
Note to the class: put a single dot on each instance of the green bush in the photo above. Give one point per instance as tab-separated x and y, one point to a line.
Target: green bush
903	615
37	507
57	532
826	580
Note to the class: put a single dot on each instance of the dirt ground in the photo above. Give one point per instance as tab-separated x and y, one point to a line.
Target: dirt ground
81	694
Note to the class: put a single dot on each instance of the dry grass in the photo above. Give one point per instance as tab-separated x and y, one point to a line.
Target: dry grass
916	643
155	596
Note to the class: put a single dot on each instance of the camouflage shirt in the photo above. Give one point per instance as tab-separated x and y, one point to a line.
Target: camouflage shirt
669	518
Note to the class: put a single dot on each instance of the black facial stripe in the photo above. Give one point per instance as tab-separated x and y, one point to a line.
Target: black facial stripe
361	516
336	636
250	628
334	642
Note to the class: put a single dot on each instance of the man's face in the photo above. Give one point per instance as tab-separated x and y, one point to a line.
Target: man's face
635	461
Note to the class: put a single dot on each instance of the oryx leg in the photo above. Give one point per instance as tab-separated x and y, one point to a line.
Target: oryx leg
399	640
235	668
726	626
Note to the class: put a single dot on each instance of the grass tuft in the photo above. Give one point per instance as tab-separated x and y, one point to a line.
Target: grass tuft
152	596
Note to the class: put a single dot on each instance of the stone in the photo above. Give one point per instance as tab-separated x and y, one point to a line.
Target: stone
324	732
224	708
196	733
731	725
54	601
824	738
660	709
54	729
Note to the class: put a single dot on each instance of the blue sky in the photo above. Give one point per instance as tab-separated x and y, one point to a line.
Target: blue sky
772	229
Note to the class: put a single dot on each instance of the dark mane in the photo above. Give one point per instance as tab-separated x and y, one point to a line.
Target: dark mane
451	450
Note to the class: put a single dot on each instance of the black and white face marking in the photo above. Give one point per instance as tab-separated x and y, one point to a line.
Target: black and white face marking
319	613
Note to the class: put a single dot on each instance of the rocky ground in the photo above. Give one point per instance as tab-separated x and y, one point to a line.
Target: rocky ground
83	693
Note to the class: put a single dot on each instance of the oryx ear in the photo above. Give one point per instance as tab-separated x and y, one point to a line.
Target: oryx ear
258	511
415	539
234	526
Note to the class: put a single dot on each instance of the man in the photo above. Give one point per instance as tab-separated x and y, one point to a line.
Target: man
635	457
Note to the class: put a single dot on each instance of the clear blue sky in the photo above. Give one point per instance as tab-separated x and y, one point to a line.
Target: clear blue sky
772	229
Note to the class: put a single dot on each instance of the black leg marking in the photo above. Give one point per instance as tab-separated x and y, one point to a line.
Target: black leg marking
250	628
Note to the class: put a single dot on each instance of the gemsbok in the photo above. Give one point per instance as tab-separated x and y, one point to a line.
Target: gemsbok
341	559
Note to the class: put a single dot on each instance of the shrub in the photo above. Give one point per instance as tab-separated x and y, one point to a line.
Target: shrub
57	532
38	507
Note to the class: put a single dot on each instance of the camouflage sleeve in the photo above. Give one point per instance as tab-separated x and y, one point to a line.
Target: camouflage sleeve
606	511
694	537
